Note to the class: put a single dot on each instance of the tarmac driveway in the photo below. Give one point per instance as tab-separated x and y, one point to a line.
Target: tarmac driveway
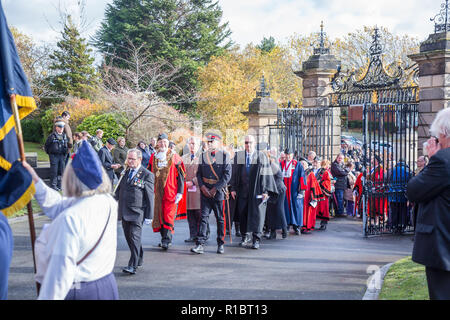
331	264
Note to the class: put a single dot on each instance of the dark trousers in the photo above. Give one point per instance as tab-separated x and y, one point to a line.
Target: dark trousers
57	166
216	206
243	214
133	233
340	201
166	235
102	289
399	213
194	218
438	283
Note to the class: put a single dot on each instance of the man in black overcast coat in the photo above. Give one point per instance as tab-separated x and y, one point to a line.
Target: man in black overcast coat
431	190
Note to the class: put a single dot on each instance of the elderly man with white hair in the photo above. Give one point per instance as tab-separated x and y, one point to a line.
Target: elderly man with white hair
431	190
170	204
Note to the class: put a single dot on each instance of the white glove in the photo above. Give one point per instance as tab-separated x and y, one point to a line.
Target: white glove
178	198
147	221
313	203
301	195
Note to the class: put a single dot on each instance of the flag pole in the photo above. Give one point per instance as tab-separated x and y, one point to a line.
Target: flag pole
15	111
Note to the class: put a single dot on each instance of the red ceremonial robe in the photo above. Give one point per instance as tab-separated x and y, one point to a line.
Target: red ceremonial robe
323	207
169	210
312	192
377	205
359	189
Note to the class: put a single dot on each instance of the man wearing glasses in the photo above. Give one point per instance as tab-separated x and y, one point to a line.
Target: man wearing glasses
430	189
135	194
252	185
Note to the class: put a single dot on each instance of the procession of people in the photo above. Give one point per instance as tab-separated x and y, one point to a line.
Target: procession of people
255	188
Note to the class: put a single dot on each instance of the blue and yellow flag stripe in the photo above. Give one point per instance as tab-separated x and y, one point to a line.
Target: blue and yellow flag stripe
16	185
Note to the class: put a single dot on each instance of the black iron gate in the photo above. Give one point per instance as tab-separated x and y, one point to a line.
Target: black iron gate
306	129
389	128
390	152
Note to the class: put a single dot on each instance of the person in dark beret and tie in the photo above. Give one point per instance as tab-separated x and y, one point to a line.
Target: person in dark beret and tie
213	175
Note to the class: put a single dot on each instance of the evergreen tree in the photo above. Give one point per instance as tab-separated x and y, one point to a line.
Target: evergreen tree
185	33
72	64
267	44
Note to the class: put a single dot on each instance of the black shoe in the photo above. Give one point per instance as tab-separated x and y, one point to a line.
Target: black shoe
198	249
255	245
190	240
164	245
167	244
220	249
284	234
238	234
267	235
297	230
273	235
323	227
129	270
244	242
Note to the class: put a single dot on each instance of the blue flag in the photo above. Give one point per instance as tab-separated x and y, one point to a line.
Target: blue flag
16	186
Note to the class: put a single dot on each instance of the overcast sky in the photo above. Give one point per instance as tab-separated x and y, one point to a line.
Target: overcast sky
251	20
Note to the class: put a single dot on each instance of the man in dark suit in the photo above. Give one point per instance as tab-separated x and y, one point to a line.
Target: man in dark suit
430	189
135	193
106	158
213	174
253	184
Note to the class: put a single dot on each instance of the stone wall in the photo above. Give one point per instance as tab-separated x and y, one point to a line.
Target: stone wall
434	81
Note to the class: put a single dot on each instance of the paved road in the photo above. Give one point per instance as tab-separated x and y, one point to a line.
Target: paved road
324	265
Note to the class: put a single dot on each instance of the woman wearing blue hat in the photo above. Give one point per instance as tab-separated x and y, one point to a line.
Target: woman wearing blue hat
75	254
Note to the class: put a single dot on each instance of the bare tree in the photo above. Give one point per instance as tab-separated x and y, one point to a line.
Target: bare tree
134	89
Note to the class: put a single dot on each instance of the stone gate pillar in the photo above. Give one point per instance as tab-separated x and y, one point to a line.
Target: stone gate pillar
262	112
317	73
434	79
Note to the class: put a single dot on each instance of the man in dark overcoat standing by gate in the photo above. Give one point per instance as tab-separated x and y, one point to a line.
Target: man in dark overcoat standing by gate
430	189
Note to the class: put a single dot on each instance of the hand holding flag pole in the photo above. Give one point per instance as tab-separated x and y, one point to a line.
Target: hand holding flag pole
21	146
18	126
16	186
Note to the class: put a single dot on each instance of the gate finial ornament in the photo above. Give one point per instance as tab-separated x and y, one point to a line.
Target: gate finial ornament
441	21
263	89
375	77
321	49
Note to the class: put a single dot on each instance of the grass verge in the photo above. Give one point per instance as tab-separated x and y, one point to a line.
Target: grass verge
405	280
38	148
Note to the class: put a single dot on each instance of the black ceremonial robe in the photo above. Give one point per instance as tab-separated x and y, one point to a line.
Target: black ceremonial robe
276	219
260	180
